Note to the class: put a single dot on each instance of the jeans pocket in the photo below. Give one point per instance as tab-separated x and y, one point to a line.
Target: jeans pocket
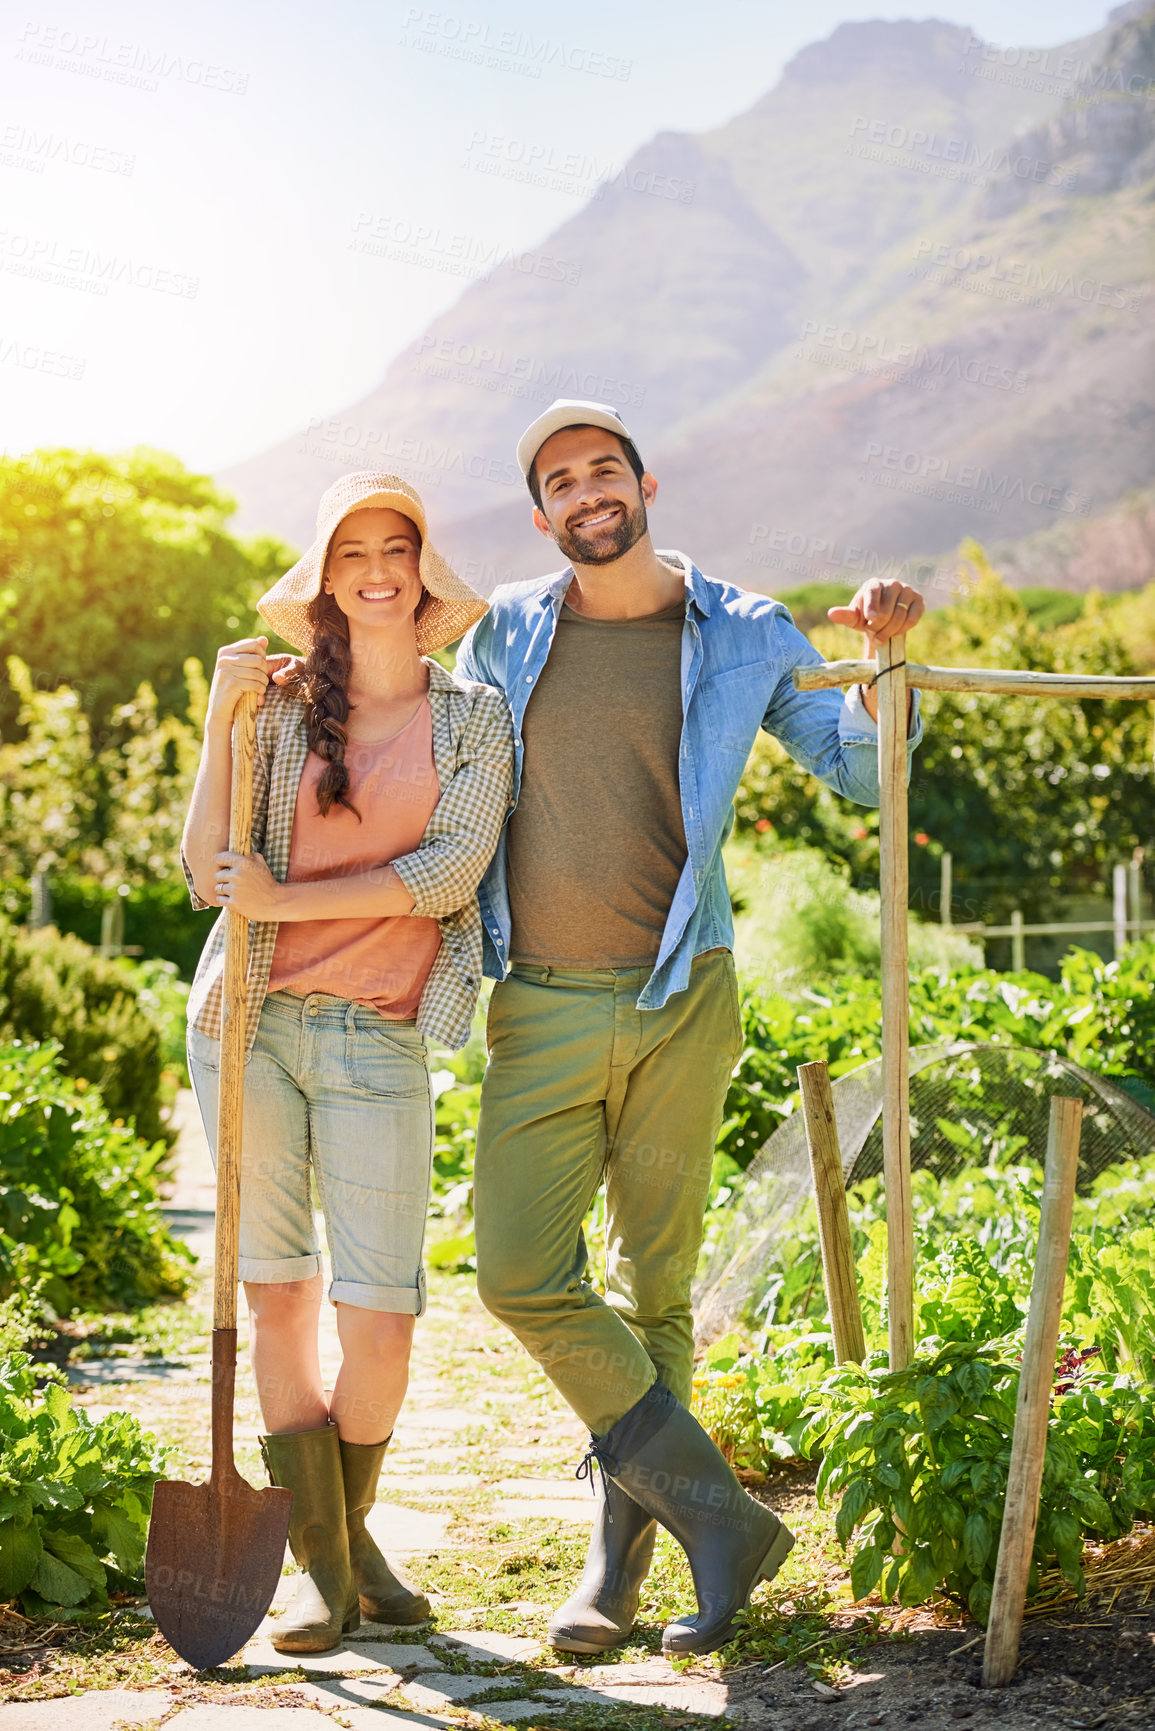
202	1051
391	1062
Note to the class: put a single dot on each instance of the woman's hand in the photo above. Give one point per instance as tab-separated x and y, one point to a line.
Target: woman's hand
242	666
243	881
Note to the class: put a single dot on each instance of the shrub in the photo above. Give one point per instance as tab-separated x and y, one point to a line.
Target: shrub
79	1203
74	1496
53	987
920	1456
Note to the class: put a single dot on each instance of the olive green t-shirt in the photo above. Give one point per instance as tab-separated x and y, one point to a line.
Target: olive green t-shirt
597	843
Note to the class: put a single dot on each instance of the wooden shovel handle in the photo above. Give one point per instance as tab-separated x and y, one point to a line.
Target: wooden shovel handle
232	1076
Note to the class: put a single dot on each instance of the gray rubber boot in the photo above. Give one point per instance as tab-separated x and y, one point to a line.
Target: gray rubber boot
601	1613
308	1462
383	1598
662	1458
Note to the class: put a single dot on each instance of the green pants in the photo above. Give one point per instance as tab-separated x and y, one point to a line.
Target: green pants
582	1086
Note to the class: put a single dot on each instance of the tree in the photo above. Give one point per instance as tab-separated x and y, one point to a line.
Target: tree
115	569
114	816
1033	798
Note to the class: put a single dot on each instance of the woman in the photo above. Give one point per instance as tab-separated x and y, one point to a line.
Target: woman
380	786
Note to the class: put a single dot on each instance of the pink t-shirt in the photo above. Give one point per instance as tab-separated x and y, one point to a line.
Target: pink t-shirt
382	962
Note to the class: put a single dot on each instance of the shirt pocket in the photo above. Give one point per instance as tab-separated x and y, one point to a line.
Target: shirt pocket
733	704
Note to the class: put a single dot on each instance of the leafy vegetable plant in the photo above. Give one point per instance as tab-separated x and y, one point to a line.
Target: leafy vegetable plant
919	1460
74	1496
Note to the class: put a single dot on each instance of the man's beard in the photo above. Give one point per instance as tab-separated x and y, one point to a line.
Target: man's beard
603	546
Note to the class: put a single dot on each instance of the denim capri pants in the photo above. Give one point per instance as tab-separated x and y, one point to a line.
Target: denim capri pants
335	1089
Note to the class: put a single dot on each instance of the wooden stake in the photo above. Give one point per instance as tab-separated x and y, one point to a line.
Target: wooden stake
1029	1444
895	885
1002	681
833	1216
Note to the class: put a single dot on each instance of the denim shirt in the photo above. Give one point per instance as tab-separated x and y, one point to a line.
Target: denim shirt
739	651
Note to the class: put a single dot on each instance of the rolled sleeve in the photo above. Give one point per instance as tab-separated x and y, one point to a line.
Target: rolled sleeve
857	725
828	733
197	901
444	871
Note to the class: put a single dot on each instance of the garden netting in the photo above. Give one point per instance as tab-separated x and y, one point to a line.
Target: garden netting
971	1104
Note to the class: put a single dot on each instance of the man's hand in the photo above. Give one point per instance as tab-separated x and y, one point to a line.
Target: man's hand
880	610
290	666
243	881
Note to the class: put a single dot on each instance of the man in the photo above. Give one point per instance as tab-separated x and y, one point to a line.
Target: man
637	687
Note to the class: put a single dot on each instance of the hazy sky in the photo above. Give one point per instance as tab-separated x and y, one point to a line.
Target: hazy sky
182	188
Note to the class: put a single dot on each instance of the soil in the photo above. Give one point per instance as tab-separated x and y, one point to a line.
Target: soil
1072	1671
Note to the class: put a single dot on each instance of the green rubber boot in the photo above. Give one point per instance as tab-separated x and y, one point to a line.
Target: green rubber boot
308	1462
383	1598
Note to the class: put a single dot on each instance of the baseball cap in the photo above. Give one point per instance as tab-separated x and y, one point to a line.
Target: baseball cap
567	412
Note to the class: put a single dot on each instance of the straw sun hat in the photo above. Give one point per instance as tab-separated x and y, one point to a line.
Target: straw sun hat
446	610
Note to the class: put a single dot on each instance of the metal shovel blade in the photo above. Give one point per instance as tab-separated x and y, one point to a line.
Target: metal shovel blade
213	1561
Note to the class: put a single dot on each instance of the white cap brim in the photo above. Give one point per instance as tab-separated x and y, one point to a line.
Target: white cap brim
567	412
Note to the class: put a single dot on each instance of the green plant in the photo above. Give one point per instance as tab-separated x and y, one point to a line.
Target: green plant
1100	1014
53	987
919	1460
754	1405
1111	1299
163	996
79	1203
113	569
455	1139
1081	769
74	1496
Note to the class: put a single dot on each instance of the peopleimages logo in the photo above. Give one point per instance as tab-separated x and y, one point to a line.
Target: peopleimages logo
80	267
875	353
135	64
480	44
26	147
455	254
31	358
943	478
949	154
347	441
496	369
1044	282
536	163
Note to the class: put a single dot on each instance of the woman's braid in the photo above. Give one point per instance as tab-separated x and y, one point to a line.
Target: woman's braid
323	685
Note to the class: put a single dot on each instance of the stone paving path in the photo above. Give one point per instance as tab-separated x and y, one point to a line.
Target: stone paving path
434	1502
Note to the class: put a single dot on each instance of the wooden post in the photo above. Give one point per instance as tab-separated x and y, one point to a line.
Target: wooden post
894	871
998	682
944	894
833	1216
1018	942
1135	895
1119	910
1029	1444
41	913
112	927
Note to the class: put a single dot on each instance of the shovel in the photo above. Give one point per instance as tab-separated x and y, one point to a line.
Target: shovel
215	1550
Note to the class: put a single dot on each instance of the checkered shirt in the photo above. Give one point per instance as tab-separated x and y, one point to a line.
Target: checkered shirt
473	755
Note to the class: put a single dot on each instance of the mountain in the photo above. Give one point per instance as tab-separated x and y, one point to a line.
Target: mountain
895	303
